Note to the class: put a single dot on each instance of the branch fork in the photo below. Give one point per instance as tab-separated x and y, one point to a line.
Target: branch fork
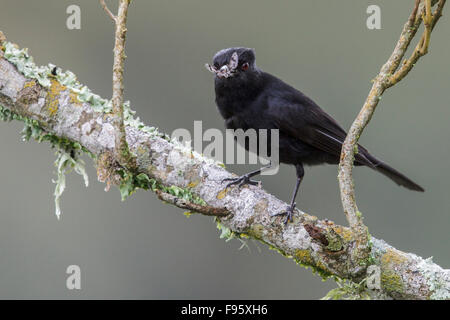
387	77
123	154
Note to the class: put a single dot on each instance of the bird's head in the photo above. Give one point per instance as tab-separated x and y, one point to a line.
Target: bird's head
233	63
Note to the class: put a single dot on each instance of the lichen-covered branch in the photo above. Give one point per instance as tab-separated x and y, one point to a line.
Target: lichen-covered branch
61	107
184	204
386	78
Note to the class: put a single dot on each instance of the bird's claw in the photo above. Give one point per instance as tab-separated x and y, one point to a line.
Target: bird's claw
240	181
289	213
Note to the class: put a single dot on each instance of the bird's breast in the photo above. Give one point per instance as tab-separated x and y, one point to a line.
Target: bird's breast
230	105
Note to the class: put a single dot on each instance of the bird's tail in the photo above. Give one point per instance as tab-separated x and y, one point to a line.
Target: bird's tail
392	174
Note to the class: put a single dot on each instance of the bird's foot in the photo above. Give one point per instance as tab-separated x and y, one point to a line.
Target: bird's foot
240	181
289	213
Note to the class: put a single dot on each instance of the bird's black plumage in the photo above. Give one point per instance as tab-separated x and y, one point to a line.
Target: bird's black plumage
249	98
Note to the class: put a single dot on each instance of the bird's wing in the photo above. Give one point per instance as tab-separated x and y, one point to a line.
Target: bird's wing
299	117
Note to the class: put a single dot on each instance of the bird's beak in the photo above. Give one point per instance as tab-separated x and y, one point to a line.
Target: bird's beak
225	71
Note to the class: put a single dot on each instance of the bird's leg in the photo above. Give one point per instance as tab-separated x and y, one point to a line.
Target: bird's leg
290	209
245	179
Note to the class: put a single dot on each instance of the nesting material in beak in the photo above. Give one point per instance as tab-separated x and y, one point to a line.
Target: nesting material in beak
226	70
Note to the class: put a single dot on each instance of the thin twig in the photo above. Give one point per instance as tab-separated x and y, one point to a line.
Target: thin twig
183	204
427	20
123	153
421	48
412	17
105	7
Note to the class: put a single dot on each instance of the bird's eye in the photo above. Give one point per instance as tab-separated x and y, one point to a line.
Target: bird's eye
244	66
216	65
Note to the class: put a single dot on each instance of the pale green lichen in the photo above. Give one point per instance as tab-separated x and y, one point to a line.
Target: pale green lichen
130	182
44	74
68	152
25	64
228	234
439	286
130	120
33	129
47	76
348	290
64	163
225	232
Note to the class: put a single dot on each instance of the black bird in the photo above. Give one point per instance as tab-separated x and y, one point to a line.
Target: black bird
249	98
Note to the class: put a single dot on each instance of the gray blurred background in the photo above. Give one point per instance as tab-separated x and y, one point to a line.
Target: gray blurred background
143	248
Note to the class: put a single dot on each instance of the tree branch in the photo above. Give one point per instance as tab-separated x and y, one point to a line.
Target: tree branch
123	154
420	50
183	204
385	79
31	93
